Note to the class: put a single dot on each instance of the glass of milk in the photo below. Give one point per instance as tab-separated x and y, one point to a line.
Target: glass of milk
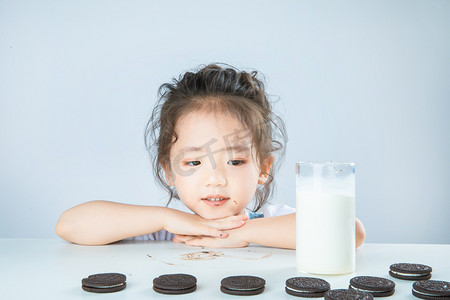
325	225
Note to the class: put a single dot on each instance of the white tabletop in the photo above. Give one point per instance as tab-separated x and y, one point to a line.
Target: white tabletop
53	269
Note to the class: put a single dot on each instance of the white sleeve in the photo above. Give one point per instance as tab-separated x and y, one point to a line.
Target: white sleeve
161	235
274	210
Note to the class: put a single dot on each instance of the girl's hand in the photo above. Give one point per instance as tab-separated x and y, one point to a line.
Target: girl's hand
182	223
234	240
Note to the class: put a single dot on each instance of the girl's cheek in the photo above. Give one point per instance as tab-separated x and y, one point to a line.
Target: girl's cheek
192	175
185	171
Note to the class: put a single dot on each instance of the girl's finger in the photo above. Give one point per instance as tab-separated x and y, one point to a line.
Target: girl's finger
214	232
229	222
181	238
177	239
201	242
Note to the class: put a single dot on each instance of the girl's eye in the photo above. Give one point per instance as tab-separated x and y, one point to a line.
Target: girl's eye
193	163
236	162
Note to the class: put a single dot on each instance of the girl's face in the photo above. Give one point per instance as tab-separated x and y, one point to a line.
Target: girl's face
213	165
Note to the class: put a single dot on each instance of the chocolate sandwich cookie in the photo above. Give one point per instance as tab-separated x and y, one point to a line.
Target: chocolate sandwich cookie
175	284
431	289
308	287
104	283
377	286
407	271
242	285
347	295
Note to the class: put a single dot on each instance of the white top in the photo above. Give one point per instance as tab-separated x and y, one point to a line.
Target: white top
268	210
274	210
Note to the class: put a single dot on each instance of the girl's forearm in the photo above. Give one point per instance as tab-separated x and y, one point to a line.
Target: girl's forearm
272	232
104	222
280	232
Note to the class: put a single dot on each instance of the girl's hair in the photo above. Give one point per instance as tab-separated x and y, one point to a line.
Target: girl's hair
223	89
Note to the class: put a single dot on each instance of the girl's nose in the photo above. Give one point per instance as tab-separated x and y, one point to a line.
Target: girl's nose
216	177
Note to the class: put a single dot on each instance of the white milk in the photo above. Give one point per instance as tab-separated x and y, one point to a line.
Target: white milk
325	233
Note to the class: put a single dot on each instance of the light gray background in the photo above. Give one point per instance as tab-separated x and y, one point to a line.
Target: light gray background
362	81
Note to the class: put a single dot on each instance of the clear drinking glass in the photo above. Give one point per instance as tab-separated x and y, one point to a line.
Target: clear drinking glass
325	225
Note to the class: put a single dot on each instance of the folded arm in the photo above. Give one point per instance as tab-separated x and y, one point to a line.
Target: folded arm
104	222
272	232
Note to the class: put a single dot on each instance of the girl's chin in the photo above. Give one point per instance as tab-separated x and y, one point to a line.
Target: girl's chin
214	216
218	215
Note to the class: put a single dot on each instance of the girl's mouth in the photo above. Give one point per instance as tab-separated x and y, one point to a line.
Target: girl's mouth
215	201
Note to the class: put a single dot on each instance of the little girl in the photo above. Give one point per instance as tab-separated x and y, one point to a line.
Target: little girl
215	145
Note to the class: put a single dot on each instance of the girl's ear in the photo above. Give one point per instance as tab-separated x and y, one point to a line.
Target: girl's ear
168	173
265	169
